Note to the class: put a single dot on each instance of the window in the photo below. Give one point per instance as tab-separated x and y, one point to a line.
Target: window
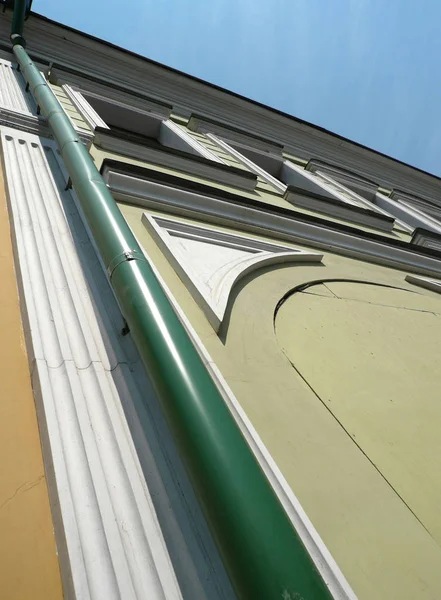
316	190
135	124
320	188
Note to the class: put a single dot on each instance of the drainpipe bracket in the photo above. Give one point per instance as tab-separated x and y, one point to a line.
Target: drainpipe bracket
125	256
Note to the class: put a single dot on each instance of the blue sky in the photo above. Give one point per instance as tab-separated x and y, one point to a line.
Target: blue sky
366	69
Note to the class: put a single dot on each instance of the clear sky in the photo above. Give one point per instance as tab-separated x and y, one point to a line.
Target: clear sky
366	69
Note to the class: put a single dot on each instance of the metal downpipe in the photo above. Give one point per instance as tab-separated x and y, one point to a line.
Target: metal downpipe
262	552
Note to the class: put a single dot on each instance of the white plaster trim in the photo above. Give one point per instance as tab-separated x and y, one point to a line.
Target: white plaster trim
344	177
156	196
111	545
23	120
411	216
326	565
339	193
13	93
191	141
344	211
88	113
248	163
175	162
425	282
213	294
18	109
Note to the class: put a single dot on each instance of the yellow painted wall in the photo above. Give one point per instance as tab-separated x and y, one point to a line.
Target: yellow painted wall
374	503
28	560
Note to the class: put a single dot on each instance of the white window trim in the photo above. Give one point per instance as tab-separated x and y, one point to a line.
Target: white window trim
366	203
358	200
213	299
248	163
410	216
94	120
88	113
188	139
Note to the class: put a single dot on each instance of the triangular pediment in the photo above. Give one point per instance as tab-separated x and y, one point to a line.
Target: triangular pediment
210	261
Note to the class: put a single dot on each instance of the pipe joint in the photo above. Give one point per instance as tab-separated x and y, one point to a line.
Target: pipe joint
125	256
18	40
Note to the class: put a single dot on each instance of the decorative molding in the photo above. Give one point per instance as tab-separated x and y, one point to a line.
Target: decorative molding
422	212
334	207
334	189
190	141
110	542
227	258
190	164
347	179
225	130
13	94
427	238
326	565
278	185
24	121
88	113
424	282
281	225
168	130
89	85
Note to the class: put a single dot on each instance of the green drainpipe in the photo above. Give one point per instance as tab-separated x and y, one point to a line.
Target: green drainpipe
261	550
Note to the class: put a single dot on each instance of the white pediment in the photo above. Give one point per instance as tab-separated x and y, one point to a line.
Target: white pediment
210	262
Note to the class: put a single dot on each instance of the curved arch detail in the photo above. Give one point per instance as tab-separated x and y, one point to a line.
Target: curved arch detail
211	262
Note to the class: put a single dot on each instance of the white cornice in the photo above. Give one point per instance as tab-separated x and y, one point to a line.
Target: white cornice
53	43
190	141
142	192
197	123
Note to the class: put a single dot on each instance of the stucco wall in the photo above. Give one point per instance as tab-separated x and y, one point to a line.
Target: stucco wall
363	491
28	558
